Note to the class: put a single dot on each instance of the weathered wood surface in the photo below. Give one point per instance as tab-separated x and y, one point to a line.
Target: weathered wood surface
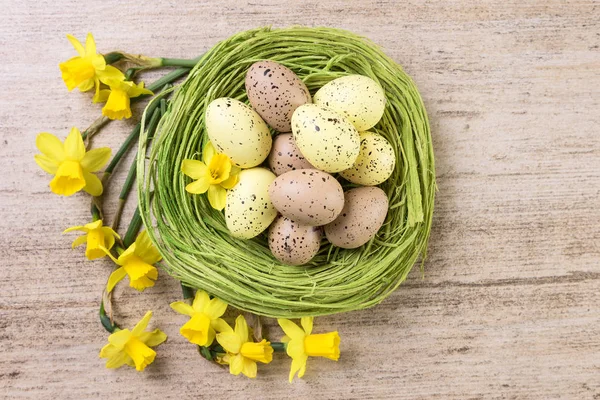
509	303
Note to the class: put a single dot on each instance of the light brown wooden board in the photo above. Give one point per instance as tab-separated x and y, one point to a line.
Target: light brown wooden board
509	303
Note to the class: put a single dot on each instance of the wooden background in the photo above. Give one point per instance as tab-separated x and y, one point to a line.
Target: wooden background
509	303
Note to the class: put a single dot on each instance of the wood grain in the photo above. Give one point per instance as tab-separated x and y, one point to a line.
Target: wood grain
508	304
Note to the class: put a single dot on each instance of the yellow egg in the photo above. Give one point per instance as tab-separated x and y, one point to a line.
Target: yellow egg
375	162
249	210
238	131
357	97
326	139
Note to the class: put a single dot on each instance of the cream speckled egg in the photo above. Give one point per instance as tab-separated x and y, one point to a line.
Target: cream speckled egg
326	139
238	131
375	162
293	243
275	91
308	196
285	155
364	212
249	210
357	97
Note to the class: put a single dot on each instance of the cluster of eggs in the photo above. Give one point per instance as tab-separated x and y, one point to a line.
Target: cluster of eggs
297	197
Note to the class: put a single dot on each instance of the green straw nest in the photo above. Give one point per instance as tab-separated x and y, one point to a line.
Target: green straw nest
192	237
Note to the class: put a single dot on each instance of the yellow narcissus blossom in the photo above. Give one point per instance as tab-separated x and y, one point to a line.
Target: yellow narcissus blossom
205	318
118	104
96	236
137	263
301	344
85	70
133	347
70	164
243	354
214	175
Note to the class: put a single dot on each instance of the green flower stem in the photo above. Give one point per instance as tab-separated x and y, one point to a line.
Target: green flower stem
279	347
132	171
112	57
188	292
94	128
178	62
168	78
133	229
107	323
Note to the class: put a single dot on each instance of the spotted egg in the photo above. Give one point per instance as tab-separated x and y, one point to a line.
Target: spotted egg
308	196
275	91
375	162
357	97
237	130
249	210
285	155
326	139
294	243
364	212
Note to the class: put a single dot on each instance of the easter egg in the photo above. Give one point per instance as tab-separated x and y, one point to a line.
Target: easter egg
357	97
375	162
308	196
275	91
363	214
285	155
249	210
238	131
326	139
293	243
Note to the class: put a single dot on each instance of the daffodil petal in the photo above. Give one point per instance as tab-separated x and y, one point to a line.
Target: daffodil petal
182	308
46	163
114	278
86	85
120	338
101	95
230	182
194	169
230	341
90	45
95	159
201	301
50	146
74	146
77	45
109	236
198	187
141	326
291	329
208	152
295	348
110	73
98	62
236	364
220	325
249	368
117	360
297	365
146	250
215	308
93	185
79	241
217	197
241	328
154	338
138	90
307	324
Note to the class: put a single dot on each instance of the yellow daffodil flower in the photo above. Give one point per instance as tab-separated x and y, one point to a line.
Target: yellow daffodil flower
70	164
133	347
137	263
243	354
84	71
96	236
117	98
301	344
214	175
205	318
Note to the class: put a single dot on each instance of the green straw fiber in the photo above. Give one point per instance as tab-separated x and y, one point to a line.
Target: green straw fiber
192	237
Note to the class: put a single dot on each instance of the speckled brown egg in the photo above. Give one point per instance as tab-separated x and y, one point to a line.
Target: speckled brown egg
375	162
308	196
364	211
249	210
275	92
327	139
285	155
293	243
235	129
357	97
